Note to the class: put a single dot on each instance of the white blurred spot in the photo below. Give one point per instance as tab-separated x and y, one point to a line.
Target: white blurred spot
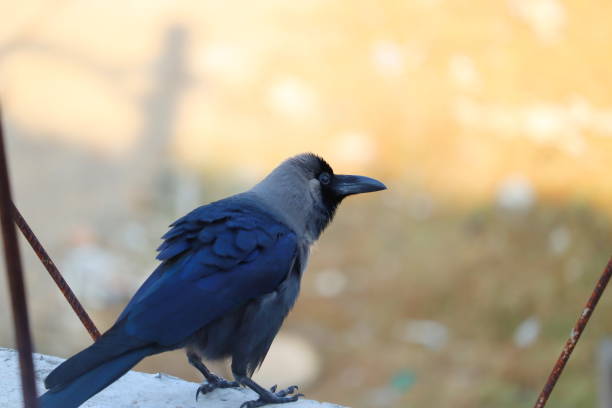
98	277
388	58
428	333
559	240
187	191
291	360
134	236
330	282
561	125
292	97
544	122
516	193
226	61
547	18
463	72
527	332
354	148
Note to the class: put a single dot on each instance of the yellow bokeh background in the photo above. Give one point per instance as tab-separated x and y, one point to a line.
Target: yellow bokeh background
491	122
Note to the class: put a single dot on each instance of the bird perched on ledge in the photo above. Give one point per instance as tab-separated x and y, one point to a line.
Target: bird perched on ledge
230	272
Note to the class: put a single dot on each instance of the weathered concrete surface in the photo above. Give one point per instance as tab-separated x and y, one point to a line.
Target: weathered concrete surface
133	390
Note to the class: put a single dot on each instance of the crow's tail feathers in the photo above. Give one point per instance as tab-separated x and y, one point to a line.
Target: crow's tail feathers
80	389
112	344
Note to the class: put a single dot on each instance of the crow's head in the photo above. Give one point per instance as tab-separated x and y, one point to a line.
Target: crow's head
306	191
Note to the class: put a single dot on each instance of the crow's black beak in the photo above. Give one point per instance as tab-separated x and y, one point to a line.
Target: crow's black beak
345	185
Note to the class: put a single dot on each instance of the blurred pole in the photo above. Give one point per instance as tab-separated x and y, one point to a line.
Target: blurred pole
161	104
604	358
15	279
157	172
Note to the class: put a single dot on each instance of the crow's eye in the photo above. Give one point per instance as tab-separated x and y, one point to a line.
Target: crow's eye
325	178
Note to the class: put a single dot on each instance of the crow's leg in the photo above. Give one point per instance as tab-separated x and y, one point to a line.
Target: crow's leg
212	381
267	397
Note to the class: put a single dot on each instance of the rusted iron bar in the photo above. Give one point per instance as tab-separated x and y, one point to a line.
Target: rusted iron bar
14	272
55	273
575	336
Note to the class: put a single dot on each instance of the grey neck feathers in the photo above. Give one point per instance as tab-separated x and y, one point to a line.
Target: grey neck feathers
296	199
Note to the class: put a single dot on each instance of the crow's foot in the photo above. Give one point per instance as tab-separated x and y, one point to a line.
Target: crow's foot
213	382
273	397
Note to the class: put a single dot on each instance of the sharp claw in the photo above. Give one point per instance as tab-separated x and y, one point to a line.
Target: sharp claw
213	385
200	390
287	391
277	397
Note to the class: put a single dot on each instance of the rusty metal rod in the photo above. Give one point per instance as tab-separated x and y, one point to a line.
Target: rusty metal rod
14	272
55	273
574	336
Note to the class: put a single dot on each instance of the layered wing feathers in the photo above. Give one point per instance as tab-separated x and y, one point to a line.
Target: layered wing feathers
214	259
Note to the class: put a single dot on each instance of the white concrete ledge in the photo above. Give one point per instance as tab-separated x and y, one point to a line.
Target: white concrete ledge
133	390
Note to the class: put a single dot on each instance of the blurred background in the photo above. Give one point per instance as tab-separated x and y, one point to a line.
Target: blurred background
490	122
